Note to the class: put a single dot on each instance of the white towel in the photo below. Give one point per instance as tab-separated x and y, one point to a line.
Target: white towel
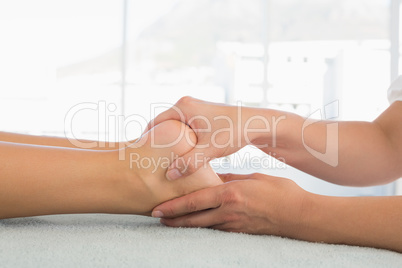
133	241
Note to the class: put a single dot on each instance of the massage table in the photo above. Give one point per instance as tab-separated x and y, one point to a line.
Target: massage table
101	240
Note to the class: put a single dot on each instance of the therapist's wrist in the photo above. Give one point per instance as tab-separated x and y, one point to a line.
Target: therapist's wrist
269	128
322	219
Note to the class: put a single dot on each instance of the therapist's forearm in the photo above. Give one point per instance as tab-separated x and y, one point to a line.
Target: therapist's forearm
364	221
363	153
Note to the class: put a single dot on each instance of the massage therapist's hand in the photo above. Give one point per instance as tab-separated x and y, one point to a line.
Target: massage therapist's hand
221	130
255	204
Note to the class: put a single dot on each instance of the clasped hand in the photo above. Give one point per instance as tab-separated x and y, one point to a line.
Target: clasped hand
256	203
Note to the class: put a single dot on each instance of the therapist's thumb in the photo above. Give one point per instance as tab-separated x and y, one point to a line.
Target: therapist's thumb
187	164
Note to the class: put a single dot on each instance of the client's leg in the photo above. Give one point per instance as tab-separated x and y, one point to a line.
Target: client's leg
41	180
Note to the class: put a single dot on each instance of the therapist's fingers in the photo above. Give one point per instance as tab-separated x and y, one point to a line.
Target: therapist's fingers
190	162
197	201
173	113
203	219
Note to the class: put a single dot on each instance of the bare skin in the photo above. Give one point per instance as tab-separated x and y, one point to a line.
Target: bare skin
61	142
368	153
262	204
42	180
377	144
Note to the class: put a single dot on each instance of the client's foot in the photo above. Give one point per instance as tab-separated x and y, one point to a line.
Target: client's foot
147	160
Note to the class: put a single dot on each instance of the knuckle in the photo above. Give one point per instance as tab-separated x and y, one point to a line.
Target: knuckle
184	100
255	175
232	196
191	206
169	211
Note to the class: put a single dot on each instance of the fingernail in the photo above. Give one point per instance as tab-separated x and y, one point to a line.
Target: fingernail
173	174
157	214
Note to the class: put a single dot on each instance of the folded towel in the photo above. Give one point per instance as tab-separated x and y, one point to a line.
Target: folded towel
97	240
